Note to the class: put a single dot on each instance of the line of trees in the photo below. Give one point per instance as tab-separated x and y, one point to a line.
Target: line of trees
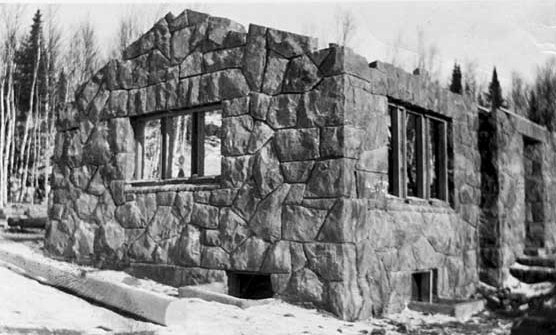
40	70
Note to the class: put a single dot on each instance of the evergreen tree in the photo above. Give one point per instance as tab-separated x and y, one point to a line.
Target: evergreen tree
456	85
26	58
533	108
495	91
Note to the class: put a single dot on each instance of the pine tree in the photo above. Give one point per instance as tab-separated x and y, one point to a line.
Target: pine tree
495	91
456	86
25	59
533	108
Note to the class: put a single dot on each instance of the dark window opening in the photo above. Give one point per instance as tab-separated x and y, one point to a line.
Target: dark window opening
534	193
424	286
178	145
249	286
419	155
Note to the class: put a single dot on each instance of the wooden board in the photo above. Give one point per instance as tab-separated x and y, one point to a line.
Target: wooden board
148	305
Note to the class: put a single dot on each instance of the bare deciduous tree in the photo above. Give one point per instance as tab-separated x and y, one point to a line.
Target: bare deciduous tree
346	27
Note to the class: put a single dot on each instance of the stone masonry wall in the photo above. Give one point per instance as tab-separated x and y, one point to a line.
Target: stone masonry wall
302	192
505	210
395	237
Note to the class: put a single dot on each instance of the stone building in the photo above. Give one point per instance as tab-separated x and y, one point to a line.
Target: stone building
215	153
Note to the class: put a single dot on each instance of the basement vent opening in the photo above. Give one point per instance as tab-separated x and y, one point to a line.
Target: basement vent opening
249	285
424	285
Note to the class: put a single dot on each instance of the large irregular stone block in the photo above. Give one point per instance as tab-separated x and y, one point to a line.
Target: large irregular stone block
222	197
342	141
109	240
187	251
236	134
233	230
258	106
297	172
267	222
121	135
282	112
306	286
278	258
183	205
297	144
73	153
301	75
235	107
246	200
141	245
192	65
141	46
223	59
254	59
215	258
222	85
288	44
344	299
266	170
219	28
301	223
236	170
97	150
164	224
249	255
83	241
157	66
274	73
205	216
130	216
137	103
180	43
325	105
341	60
331	261
343	220
85	205
162	37
81	176
178	22
331	178
261	134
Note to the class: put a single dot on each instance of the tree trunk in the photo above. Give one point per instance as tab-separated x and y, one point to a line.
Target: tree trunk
27	121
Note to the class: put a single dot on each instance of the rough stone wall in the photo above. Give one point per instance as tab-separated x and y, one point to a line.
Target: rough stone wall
395	237
302	194
505	210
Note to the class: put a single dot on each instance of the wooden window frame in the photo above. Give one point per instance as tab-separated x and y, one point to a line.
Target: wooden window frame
197	158
399	115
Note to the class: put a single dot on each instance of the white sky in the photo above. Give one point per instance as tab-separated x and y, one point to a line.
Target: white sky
513	35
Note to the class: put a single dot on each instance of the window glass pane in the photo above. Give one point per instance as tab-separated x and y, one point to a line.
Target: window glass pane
213	126
152	150
391	152
435	156
179	139
411	153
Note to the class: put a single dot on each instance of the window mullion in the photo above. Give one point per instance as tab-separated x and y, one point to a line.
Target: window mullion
164	148
403	152
197	149
421	179
443	177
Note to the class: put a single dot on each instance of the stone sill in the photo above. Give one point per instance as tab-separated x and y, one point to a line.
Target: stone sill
394	203
173	185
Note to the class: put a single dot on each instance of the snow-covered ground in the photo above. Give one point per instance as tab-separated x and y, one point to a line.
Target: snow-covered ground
25	304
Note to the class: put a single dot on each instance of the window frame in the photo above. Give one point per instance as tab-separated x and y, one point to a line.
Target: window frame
398	151
197	158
